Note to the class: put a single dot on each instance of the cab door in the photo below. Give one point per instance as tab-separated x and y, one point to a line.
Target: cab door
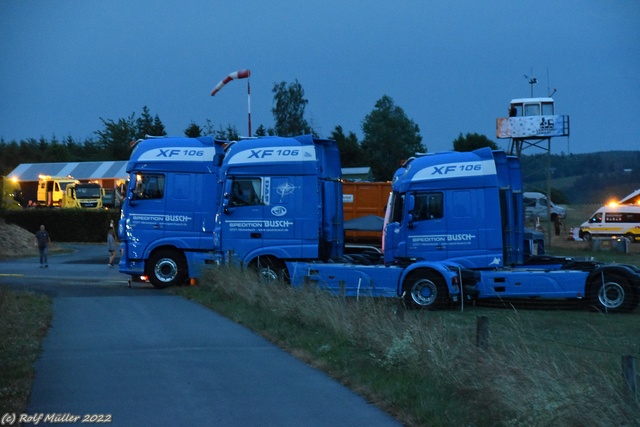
242	218
146	212
427	235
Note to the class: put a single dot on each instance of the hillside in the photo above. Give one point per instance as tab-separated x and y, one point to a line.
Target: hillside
590	178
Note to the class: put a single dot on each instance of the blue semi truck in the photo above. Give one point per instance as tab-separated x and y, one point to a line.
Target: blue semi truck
454	226
256	202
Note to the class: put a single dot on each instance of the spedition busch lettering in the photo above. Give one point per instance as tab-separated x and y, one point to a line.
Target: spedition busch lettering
260	225
460	238
155	218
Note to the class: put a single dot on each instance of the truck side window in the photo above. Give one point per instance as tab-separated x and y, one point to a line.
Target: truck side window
397	205
428	206
149	186
246	192
597	218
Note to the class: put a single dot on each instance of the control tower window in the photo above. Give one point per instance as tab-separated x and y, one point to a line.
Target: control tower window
532	109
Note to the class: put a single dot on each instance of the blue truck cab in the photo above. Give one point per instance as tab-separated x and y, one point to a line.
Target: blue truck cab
454	230
460	207
167	221
281	200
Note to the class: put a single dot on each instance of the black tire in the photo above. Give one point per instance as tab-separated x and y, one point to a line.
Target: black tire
586	236
428	292
630	237
615	295
167	267
270	270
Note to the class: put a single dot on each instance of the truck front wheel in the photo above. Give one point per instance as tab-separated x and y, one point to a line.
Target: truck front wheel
167	268
426	292
613	295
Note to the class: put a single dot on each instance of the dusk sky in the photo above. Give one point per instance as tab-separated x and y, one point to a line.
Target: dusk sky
452	66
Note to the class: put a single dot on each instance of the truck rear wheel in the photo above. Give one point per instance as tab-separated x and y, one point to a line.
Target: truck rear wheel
426	292
614	295
167	267
270	270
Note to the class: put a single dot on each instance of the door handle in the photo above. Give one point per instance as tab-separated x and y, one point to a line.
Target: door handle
256	235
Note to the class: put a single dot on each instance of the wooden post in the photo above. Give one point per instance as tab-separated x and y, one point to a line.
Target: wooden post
630	378
482	332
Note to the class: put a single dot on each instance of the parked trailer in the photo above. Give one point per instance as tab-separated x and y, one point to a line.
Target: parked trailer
364	206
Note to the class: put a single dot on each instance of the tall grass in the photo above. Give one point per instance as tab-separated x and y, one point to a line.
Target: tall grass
425	368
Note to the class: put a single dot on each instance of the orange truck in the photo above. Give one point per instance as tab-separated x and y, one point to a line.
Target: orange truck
364	205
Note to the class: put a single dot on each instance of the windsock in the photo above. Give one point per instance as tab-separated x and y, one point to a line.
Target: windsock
242	74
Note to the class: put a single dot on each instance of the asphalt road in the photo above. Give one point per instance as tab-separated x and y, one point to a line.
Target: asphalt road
140	356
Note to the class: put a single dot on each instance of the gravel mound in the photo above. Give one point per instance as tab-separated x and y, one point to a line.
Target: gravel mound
16	241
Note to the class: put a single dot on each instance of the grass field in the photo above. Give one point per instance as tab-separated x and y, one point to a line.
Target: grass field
544	363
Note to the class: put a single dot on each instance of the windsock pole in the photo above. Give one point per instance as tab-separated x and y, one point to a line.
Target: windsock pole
249	106
242	74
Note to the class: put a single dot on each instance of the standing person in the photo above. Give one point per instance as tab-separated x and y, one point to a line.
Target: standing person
43	240
111	243
556	224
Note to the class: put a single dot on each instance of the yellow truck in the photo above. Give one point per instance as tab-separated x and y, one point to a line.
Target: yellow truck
67	192
11	193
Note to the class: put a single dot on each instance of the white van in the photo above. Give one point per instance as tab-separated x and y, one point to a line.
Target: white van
613	221
536	207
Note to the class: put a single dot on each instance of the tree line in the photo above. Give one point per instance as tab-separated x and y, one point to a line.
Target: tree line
390	136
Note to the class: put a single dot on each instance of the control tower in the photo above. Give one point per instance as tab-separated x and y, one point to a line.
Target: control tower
531	122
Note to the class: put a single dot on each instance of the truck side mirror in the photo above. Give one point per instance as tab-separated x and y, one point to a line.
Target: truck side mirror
411	202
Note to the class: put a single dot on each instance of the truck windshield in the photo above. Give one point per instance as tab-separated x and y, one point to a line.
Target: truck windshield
88	192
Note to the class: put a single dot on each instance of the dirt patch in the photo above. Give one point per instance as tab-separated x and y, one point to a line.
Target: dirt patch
16	242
